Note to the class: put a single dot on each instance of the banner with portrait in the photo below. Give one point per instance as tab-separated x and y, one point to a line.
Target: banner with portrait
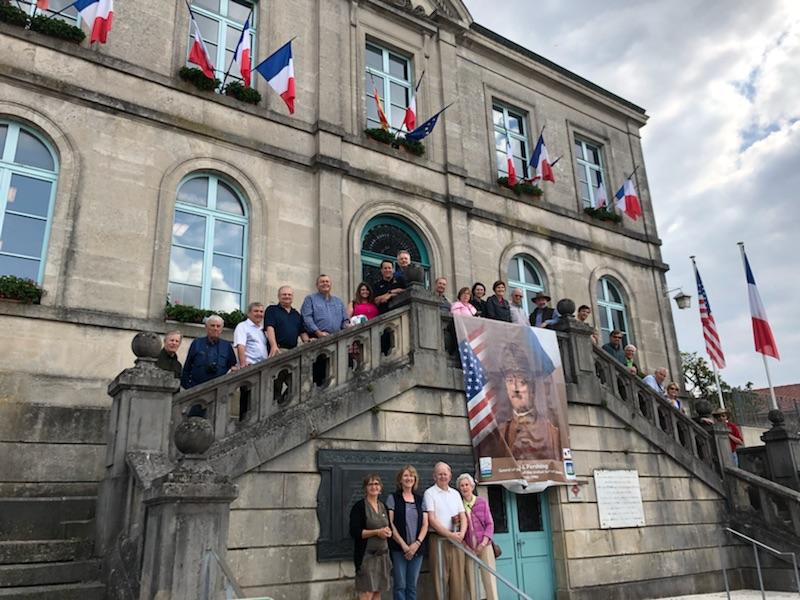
516	403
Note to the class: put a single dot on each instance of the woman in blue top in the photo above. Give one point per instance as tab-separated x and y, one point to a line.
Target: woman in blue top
409	520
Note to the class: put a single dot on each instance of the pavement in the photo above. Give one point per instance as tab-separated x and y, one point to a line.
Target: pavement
739	595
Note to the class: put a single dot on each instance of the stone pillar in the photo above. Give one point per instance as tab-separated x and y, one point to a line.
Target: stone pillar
139	421
577	356
783	452
188	514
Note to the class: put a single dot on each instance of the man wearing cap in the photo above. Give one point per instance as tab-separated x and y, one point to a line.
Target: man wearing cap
542	313
527	433
721	415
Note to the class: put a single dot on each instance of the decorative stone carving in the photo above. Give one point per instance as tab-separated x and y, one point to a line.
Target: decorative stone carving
566	307
194	436
146	344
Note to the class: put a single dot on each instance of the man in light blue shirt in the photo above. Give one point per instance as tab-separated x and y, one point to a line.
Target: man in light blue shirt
323	313
249	338
656	381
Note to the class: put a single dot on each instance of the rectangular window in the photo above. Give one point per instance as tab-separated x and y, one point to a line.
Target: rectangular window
70	15
391	74
591	176
221	23
510	124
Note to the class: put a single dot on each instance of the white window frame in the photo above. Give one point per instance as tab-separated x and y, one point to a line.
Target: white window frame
220	60
607	305
71	15
388	79
522	117
590	171
519	261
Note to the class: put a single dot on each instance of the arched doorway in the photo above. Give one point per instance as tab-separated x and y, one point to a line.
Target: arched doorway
383	237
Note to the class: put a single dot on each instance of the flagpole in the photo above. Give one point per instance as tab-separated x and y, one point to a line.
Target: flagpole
773	401
719	388
238	47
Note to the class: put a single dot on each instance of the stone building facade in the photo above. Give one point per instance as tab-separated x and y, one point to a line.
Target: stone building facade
125	133
139	157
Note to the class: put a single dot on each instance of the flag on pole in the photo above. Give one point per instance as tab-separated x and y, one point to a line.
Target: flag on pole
512	173
278	70
198	53
98	14
762	332
241	56
600	197
713	345
627	200
540	162
480	390
42	4
426	128
410	118
379	106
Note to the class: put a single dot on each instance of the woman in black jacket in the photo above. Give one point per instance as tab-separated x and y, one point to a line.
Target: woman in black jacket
369	528
478	293
409	519
497	306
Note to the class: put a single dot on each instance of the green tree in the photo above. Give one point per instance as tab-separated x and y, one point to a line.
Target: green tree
699	378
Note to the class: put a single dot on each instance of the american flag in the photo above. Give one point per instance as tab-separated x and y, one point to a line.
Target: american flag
480	391
713	346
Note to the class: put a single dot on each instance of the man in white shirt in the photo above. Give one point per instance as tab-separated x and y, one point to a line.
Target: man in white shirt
518	314
656	381
447	518
249	339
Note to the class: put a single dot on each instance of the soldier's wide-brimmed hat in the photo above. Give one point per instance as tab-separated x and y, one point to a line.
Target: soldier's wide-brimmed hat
541	296
514	359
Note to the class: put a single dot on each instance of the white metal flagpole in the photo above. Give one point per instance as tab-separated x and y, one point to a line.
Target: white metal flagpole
772	401
719	389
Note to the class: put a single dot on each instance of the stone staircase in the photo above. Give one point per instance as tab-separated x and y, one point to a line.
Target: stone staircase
48	493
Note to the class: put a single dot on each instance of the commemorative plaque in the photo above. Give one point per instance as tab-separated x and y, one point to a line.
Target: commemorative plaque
619	499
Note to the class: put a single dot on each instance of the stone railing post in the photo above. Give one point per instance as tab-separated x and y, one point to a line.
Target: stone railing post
783	452
426	319
188	512
578	357
140	417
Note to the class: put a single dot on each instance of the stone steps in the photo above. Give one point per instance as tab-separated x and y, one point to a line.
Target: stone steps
44	551
37	518
39	574
70	591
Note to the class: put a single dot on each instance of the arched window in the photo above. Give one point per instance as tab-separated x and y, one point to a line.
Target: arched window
383	237
525	273
28	175
611	309
209	243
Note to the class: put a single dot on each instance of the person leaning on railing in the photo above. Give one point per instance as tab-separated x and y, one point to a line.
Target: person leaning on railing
463	306
480	529
409	521
478	292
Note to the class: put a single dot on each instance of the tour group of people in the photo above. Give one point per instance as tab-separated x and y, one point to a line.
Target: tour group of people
391	538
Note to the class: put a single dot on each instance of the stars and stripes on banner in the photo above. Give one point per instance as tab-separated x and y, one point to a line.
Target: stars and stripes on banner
762	332
713	345
479	390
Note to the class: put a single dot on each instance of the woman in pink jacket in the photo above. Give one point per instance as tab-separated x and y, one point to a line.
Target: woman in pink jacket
462	306
480	529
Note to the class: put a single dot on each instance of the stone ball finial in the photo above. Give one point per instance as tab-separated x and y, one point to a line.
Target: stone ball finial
146	344
776	417
414	273
194	435
566	307
703	408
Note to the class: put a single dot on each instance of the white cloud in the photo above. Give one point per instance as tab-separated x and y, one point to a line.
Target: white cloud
722	147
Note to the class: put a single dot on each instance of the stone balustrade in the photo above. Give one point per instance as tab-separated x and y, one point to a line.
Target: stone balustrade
763	501
255	393
646	403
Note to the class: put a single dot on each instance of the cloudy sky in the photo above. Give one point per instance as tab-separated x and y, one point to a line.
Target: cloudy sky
721	84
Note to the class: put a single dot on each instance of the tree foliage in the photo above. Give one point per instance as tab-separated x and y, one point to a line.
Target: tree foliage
699	379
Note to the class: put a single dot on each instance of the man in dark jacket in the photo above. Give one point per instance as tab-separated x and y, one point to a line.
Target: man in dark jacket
614	346
542	313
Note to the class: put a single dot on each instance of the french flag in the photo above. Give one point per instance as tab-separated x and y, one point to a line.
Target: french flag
410	119
42	4
241	56
98	14
627	200
512	173
600	197
278	70
540	162
762	332
198	53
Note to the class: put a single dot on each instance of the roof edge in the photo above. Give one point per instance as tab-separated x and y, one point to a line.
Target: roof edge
496	37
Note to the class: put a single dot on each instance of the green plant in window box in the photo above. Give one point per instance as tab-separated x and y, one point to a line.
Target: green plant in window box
603	214
184	313
387	137
19	289
12	15
521	187
242	93
198	79
57	29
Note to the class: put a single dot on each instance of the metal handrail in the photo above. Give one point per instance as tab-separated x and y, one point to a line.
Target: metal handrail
756	544
478	563
231	586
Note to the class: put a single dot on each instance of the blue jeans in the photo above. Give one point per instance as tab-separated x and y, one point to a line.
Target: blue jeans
405	574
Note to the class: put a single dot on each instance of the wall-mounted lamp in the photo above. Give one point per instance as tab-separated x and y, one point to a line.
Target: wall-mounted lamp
681	299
